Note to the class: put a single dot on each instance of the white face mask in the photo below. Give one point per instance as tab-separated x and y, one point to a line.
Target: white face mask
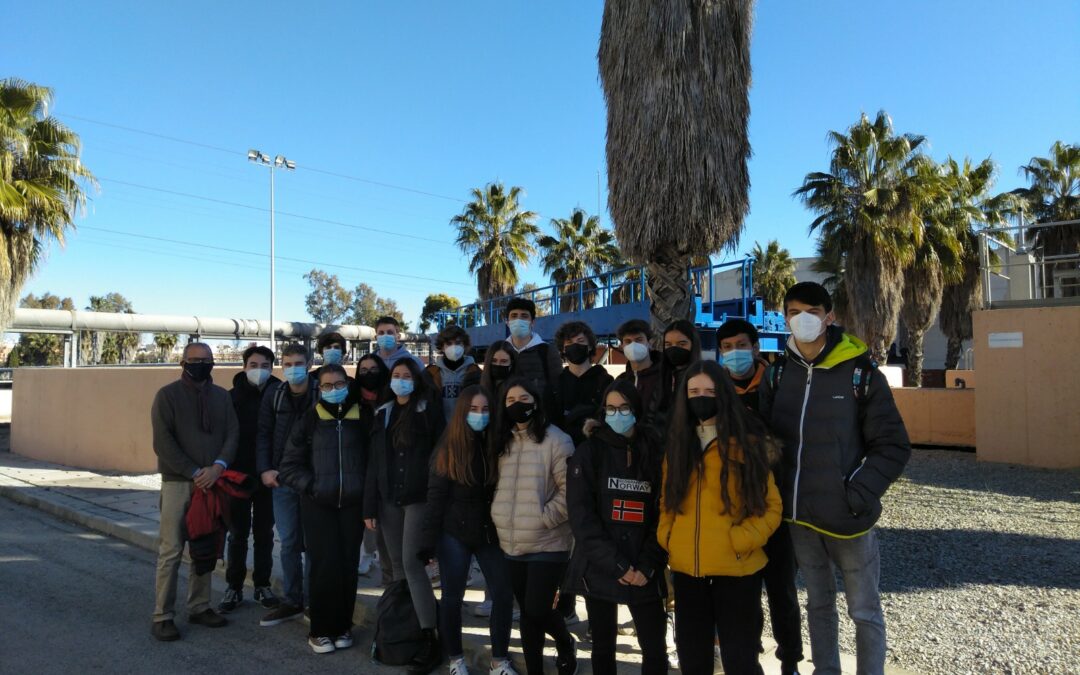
806	327
257	376
454	352
635	351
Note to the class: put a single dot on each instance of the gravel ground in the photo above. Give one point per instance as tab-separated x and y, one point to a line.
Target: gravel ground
980	568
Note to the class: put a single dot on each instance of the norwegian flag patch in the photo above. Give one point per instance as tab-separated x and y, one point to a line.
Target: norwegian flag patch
626	511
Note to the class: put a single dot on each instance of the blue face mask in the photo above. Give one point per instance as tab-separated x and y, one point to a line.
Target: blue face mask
738	361
401	387
519	328
335	396
295	374
619	423
478	420
387	343
332	355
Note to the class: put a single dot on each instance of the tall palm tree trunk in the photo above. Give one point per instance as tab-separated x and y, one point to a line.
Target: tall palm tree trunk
875	296
953	353
668	291
923	285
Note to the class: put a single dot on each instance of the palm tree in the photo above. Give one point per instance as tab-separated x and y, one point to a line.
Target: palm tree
581	248
1054	196
675	78
41	184
774	273
974	208
868	218
497	233
165	343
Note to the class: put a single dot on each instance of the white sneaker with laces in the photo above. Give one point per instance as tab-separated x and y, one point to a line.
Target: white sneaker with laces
343	641
458	667
321	645
504	667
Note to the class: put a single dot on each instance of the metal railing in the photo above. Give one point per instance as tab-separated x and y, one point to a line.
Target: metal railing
1017	256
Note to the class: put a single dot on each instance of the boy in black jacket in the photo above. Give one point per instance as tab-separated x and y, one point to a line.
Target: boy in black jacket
581	383
844	444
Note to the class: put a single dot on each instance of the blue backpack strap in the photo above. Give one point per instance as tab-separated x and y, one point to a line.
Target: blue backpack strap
865	367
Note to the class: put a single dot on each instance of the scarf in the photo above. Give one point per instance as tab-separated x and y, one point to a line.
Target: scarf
202	400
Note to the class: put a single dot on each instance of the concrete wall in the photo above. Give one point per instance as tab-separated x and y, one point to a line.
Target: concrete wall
1029	385
91	418
938	416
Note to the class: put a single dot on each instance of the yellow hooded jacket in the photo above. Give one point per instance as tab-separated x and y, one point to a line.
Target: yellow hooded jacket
702	540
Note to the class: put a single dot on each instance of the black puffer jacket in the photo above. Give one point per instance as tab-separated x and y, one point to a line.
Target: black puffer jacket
326	455
399	474
462	511
840	454
614	509
278	413
247	401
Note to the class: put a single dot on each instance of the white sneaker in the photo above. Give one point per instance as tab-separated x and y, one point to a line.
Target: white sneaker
458	667
343	641
366	563
482	609
321	645
505	667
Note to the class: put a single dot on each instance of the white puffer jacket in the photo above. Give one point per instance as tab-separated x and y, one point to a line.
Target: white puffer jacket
529	510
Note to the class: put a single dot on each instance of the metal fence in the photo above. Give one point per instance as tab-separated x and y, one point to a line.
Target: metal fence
1019	257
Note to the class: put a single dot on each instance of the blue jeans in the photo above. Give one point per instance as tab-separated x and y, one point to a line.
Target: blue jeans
294	573
858	560
454	562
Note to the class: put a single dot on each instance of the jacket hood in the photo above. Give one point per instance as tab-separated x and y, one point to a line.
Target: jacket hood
839	347
535	340
466	361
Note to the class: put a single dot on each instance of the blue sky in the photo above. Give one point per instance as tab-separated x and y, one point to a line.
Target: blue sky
440	97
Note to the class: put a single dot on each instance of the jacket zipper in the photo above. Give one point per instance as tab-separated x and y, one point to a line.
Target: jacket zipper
798	455
697	527
340	467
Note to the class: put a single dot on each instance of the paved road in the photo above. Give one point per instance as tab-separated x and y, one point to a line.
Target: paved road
72	601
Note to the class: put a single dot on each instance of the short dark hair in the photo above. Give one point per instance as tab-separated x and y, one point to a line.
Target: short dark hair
733	327
261	351
633	327
572	329
452	332
384	320
294	348
332	338
521	303
190	345
332	369
809	293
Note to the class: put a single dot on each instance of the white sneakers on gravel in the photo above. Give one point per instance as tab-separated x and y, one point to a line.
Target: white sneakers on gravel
343	641
505	667
458	667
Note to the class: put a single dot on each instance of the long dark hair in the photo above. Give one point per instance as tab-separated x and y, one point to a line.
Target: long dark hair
382	391
735	426
669	375
505	428
403	427
486	380
454	456
645	445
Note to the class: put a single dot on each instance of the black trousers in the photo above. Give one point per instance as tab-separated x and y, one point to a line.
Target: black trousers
725	607
650	624
332	538
779	577
254	516
535	585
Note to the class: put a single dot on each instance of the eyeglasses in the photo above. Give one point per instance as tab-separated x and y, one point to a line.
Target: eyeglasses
623	410
331	386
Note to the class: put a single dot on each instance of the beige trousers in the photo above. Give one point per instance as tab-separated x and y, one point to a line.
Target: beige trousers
175	497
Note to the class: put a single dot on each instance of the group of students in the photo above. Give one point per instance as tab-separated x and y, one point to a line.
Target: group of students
683	486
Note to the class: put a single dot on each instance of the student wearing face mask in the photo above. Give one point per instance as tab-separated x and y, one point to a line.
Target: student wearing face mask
682	348
498	365
612	494
454	369
388	340
325	461
716	481
529	512
642	361
738	343
371	384
332	347
458	527
844	444
536	360
581	383
405	432
253	516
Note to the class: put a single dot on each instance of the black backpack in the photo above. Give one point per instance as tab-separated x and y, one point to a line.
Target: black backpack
398	637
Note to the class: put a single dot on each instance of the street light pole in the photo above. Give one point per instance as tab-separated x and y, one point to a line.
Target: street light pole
278	162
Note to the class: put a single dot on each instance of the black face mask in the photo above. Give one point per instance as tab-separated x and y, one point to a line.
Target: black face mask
499	372
677	356
369	381
198	372
520	412
702	407
576	353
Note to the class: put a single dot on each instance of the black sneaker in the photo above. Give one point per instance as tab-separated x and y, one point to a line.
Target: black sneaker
164	630
231	600
264	595
567	664
208	618
285	612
